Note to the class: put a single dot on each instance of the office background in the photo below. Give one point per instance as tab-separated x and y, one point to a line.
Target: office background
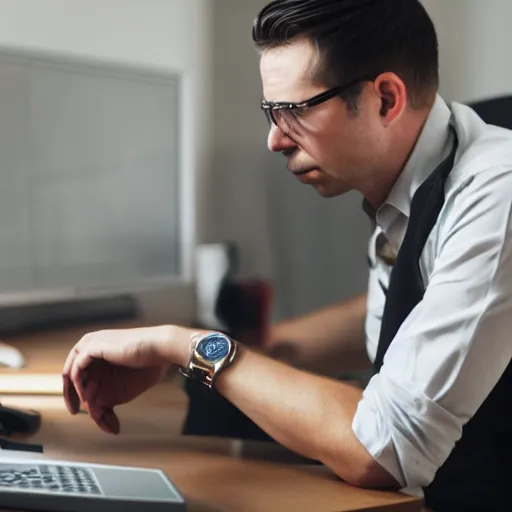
231	187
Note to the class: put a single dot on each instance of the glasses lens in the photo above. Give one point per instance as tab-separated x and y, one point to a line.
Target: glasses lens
268	116
284	119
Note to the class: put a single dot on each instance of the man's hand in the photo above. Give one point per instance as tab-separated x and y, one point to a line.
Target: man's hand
110	368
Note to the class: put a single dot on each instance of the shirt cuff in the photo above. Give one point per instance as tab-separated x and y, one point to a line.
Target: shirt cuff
405	432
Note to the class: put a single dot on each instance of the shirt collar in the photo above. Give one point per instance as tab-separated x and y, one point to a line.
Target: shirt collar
430	150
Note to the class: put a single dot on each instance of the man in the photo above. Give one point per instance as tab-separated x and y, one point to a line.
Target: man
350	90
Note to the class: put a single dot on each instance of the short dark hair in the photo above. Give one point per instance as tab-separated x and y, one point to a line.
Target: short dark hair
359	38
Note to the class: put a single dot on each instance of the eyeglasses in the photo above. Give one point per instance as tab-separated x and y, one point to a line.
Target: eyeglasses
286	115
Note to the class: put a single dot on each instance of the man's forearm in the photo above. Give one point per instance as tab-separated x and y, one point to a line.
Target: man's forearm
308	414
329	341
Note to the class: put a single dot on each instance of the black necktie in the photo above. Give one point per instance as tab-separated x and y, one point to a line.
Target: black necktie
406	288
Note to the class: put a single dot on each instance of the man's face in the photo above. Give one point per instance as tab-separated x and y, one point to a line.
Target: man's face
327	146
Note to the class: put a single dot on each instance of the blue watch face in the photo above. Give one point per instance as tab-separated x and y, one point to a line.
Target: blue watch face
213	347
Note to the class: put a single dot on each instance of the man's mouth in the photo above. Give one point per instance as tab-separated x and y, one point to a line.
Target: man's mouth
299	172
308	176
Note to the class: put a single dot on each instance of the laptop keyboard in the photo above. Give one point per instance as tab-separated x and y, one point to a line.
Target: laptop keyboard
50	478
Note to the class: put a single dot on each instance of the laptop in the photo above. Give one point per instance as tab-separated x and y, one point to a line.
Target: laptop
53	485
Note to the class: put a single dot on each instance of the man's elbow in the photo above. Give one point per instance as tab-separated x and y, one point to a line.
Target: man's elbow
366	473
374	476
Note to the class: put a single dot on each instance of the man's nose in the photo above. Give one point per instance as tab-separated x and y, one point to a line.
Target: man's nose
278	141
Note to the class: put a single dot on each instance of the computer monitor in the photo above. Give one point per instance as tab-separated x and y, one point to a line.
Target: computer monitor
91	166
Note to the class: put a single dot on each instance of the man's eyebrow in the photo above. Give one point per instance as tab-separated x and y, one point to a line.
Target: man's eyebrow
283	102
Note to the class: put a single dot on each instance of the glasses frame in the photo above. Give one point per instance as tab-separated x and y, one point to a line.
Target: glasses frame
269	107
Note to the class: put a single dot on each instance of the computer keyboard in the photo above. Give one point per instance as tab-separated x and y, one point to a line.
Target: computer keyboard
61	486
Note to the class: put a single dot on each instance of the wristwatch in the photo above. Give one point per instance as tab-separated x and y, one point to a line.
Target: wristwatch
210	354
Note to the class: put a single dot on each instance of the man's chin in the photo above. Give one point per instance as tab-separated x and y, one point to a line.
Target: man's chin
327	191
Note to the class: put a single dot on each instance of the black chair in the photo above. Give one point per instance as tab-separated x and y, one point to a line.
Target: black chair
497	111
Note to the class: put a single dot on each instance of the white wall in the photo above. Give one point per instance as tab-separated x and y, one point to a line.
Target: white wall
239	190
474	39
163	34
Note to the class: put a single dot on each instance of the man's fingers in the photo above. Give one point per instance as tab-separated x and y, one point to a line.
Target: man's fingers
111	420
78	375
106	419
71	398
91	390
69	361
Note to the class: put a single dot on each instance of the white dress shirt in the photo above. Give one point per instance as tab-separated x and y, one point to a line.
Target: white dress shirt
457	342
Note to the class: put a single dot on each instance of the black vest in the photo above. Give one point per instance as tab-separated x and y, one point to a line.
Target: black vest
473	477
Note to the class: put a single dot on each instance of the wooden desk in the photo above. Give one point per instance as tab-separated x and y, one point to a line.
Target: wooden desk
215	475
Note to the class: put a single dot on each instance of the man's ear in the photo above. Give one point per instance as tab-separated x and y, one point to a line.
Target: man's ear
385	105
393	96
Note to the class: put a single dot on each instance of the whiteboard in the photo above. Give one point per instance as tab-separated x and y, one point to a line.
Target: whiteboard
89	173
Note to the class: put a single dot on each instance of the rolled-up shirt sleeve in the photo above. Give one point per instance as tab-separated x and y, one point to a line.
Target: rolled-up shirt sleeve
405	432
455	345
